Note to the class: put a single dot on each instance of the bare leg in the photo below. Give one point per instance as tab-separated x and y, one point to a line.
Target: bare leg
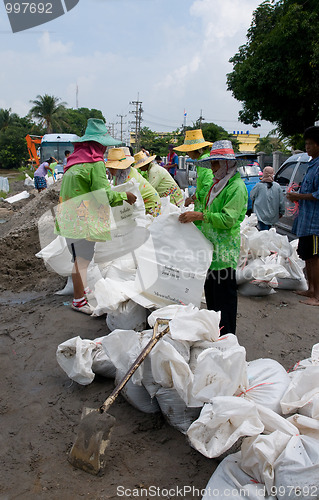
310	291
312	270
79	274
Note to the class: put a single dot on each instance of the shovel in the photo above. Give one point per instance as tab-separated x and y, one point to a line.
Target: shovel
89	450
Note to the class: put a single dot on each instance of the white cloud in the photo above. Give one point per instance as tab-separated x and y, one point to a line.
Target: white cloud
179	66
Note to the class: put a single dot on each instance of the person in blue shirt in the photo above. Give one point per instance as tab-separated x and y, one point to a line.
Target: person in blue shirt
306	224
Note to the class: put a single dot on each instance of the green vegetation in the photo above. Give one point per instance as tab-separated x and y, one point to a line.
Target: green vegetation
276	73
49	112
157	144
48	115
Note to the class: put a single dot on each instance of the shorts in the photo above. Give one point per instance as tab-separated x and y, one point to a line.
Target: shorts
81	248
308	247
40	182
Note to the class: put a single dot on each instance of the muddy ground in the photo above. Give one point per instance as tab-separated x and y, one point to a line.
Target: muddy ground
40	406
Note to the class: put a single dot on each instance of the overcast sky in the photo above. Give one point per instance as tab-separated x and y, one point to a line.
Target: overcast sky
171	54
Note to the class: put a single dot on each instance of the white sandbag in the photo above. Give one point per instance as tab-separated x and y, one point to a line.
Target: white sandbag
219	373
121	269
173	263
4	184
303	393
128	315
170	370
137	395
272	422
222	344
312	361
195	325
279	243
148	380
230	481
306	425
297	469
248	222
267	382
75	357
174	409
169	312
189	322
259	455
123	347
109	295
258	244
128	229
68	288
28	181
222	423
57	256
292	284
102	364
17	197
257	289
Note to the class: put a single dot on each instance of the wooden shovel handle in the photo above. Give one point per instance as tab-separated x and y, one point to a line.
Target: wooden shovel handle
147	349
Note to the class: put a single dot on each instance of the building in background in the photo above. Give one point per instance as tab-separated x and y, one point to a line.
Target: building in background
247	142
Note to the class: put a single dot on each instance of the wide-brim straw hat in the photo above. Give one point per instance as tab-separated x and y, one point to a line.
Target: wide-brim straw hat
116	158
221	150
96	131
194	139
142	159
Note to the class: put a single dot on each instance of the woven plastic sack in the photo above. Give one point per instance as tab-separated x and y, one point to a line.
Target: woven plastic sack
222	423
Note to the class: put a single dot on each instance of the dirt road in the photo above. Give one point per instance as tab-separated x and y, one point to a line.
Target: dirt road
40	406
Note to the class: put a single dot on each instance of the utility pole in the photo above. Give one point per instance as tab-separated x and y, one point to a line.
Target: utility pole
138	119
184	124
77	97
201	118
112	128
121	116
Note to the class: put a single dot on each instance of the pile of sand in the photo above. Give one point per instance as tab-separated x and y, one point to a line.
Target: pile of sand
19	242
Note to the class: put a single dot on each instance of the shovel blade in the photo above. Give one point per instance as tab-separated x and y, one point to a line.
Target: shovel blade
90	448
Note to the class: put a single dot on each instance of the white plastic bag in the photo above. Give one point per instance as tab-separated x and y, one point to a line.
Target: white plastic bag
303	393
75	357
219	373
230	481
175	410
57	256
267	382
173	263
137	395
170	369
123	347
297	469
128	315
222	423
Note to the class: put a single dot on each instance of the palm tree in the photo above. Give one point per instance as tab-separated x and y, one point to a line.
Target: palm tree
48	110
7	118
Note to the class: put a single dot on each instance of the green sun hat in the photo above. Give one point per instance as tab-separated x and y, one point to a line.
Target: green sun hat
96	131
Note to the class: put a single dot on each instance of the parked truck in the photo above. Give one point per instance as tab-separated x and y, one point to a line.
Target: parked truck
41	148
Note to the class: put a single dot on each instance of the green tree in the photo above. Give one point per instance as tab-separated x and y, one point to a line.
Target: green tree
13	146
271	143
76	119
156	143
49	111
276	73
7	118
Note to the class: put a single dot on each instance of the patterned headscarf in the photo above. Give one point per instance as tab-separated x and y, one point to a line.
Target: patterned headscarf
227	169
